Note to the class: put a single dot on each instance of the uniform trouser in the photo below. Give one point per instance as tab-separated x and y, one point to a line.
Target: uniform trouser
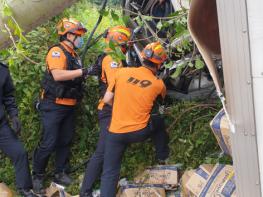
116	145
58	130
13	148
94	167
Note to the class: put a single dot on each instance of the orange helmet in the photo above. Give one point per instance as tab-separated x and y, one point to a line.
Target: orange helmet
154	52
118	34
71	26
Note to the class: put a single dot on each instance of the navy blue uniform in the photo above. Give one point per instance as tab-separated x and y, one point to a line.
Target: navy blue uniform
9	143
57	108
105	71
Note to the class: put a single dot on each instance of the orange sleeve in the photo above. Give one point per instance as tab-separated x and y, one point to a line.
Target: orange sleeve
109	69
111	86
56	59
112	82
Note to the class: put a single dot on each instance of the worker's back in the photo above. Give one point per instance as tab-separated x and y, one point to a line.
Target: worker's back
135	90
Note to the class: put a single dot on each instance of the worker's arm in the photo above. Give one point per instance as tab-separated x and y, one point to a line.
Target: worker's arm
57	66
8	97
64	75
108	98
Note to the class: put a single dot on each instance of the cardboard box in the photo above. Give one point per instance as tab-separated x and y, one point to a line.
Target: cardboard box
166	175
209	181
5	191
135	190
198	180
55	190
173	194
220	183
185	178
221	130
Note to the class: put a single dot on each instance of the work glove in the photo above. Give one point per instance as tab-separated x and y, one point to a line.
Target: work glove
161	109
16	125
94	69
164	73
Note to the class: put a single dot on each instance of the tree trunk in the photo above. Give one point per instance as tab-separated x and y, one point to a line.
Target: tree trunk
31	13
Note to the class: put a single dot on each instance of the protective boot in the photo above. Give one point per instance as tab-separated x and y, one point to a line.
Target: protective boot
62	179
27	193
38	187
162	162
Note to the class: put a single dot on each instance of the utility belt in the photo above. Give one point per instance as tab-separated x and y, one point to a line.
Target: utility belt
60	97
72	93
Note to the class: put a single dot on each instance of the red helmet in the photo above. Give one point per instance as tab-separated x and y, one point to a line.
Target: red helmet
71	26
118	34
154	52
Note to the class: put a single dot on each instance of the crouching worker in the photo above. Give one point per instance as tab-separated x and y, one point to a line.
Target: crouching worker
134	91
9	142
106	68
62	89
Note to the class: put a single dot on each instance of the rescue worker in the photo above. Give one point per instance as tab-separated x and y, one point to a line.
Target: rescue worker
106	68
134	91
61	91
9	142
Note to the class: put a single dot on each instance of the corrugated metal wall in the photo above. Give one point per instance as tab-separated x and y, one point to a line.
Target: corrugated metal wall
235	46
255	23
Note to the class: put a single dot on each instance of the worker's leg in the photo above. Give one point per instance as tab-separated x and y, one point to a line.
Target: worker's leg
14	149
160	137
114	150
51	117
64	139
95	164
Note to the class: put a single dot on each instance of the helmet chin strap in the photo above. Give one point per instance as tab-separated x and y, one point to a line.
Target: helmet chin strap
73	41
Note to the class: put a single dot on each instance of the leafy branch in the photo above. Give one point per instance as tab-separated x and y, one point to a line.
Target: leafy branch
14	30
154	17
17	48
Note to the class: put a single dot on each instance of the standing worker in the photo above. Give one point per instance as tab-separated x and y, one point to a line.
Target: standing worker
106	68
61	91
9	143
134	91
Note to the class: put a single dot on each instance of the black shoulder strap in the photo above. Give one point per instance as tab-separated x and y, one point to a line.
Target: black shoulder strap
55	45
100	59
99	62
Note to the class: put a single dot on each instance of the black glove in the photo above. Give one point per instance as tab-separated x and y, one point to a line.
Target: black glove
164	73
16	125
94	69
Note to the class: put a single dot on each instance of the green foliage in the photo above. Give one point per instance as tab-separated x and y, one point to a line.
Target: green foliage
12	27
6	9
110	2
192	142
199	64
27	77
115	51
191	139
175	29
